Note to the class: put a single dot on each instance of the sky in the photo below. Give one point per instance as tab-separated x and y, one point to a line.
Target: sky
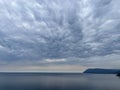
59	35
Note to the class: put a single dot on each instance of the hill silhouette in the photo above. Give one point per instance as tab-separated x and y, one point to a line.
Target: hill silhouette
102	71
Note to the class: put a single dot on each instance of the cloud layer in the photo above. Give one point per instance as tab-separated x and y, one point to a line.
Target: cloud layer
54	31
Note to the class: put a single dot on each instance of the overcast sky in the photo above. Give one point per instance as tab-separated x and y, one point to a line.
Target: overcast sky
59	35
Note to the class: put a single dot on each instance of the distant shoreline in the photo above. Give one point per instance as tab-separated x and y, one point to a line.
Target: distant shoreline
39	73
102	71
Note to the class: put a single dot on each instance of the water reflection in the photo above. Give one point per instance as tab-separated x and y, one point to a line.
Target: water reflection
59	82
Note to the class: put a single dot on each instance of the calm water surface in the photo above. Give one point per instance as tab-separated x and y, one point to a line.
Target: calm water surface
59	82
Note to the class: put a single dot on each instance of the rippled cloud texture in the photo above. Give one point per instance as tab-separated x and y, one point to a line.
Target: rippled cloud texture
60	32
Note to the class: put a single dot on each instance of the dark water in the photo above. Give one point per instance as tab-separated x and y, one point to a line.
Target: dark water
47	81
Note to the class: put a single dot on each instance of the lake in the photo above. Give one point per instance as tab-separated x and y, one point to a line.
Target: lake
58	81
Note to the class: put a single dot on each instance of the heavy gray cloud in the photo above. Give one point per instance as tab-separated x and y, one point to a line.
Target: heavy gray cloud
42	31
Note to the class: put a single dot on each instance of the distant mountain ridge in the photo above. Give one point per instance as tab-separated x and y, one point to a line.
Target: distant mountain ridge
102	71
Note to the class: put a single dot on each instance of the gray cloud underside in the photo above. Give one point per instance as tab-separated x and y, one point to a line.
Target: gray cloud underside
38	30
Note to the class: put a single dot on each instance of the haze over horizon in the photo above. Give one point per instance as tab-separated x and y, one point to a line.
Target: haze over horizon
59	35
